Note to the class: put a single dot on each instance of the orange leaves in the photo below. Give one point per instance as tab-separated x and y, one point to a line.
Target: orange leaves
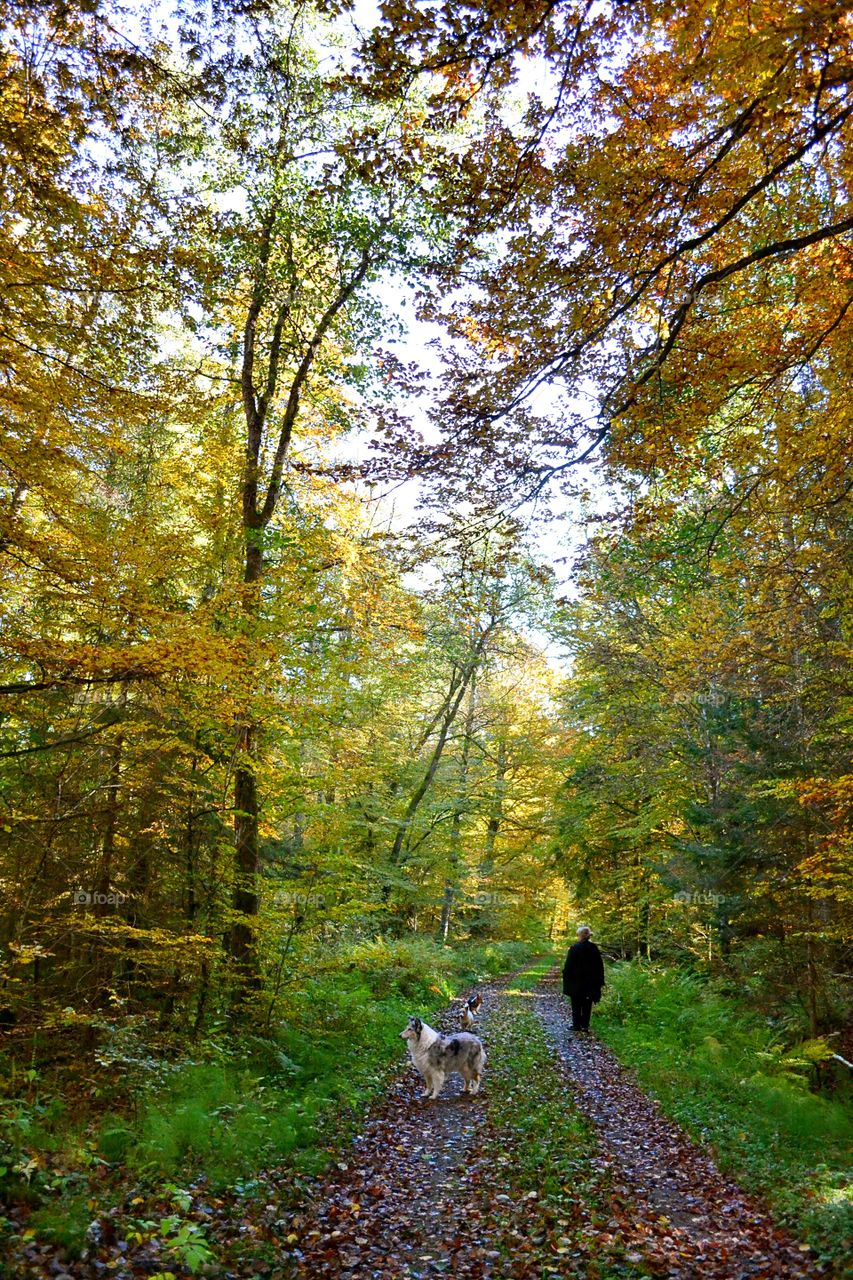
837	791
490	342
686	153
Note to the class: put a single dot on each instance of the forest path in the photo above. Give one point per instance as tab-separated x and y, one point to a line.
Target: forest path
516	1184
403	1205
713	1227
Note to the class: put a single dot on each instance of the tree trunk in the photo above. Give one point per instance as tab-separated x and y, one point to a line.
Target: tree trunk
246	844
259	389
454	702
242	943
245	898
103	879
496	815
104	966
446	908
451	884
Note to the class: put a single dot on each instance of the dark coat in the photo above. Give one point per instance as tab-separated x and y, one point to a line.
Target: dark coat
583	972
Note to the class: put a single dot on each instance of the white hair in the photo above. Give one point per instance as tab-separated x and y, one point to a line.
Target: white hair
584	931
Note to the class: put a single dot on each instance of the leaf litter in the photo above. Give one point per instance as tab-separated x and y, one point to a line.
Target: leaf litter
438	1188
474	1189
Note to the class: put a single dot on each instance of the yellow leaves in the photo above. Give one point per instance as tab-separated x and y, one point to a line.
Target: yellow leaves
652	315
491	342
27	954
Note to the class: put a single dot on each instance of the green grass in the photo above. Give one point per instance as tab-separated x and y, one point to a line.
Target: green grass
721	1071
217	1120
283	1094
536	1117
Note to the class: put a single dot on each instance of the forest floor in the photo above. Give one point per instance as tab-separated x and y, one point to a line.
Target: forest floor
561	1167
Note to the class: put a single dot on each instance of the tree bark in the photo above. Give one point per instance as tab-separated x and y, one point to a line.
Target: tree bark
258	510
246	846
451	884
245	899
496	815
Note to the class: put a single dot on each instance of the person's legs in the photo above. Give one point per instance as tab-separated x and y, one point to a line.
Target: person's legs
585	1012
577	1013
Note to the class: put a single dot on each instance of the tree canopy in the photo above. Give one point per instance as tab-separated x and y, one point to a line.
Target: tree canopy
285	663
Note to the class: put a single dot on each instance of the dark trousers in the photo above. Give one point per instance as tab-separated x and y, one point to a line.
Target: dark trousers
581	1009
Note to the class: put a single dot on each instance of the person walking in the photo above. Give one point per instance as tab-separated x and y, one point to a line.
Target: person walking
583	978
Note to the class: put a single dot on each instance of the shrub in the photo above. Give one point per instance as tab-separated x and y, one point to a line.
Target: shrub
64	1223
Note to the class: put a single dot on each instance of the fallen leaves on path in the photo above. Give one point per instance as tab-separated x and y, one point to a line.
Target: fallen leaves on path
406	1204
561	1167
432	1188
711	1227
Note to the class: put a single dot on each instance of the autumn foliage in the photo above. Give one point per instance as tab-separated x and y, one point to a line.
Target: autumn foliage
254	705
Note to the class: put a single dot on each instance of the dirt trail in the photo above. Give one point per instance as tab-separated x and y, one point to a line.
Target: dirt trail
417	1198
715	1227
404	1204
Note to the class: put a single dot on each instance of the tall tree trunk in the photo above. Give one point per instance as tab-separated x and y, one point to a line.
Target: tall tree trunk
496	814
138	878
106	862
451	883
259	386
425	783
245	896
104	969
242	942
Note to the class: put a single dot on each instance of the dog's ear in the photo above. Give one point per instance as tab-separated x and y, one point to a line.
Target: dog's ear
417	1026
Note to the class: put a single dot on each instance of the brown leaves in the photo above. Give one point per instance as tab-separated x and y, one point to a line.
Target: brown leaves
683	1216
435	1189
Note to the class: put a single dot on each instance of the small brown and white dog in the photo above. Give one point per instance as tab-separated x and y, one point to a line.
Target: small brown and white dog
470	1009
437	1056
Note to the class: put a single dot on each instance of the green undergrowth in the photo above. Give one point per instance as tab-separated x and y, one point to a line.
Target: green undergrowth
540	1147
722	1072
289	1091
282	1097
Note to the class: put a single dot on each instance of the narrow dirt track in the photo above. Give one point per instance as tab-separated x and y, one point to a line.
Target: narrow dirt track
417	1197
404	1205
714	1225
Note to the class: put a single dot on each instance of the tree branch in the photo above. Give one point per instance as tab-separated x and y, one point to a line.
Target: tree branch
301	377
